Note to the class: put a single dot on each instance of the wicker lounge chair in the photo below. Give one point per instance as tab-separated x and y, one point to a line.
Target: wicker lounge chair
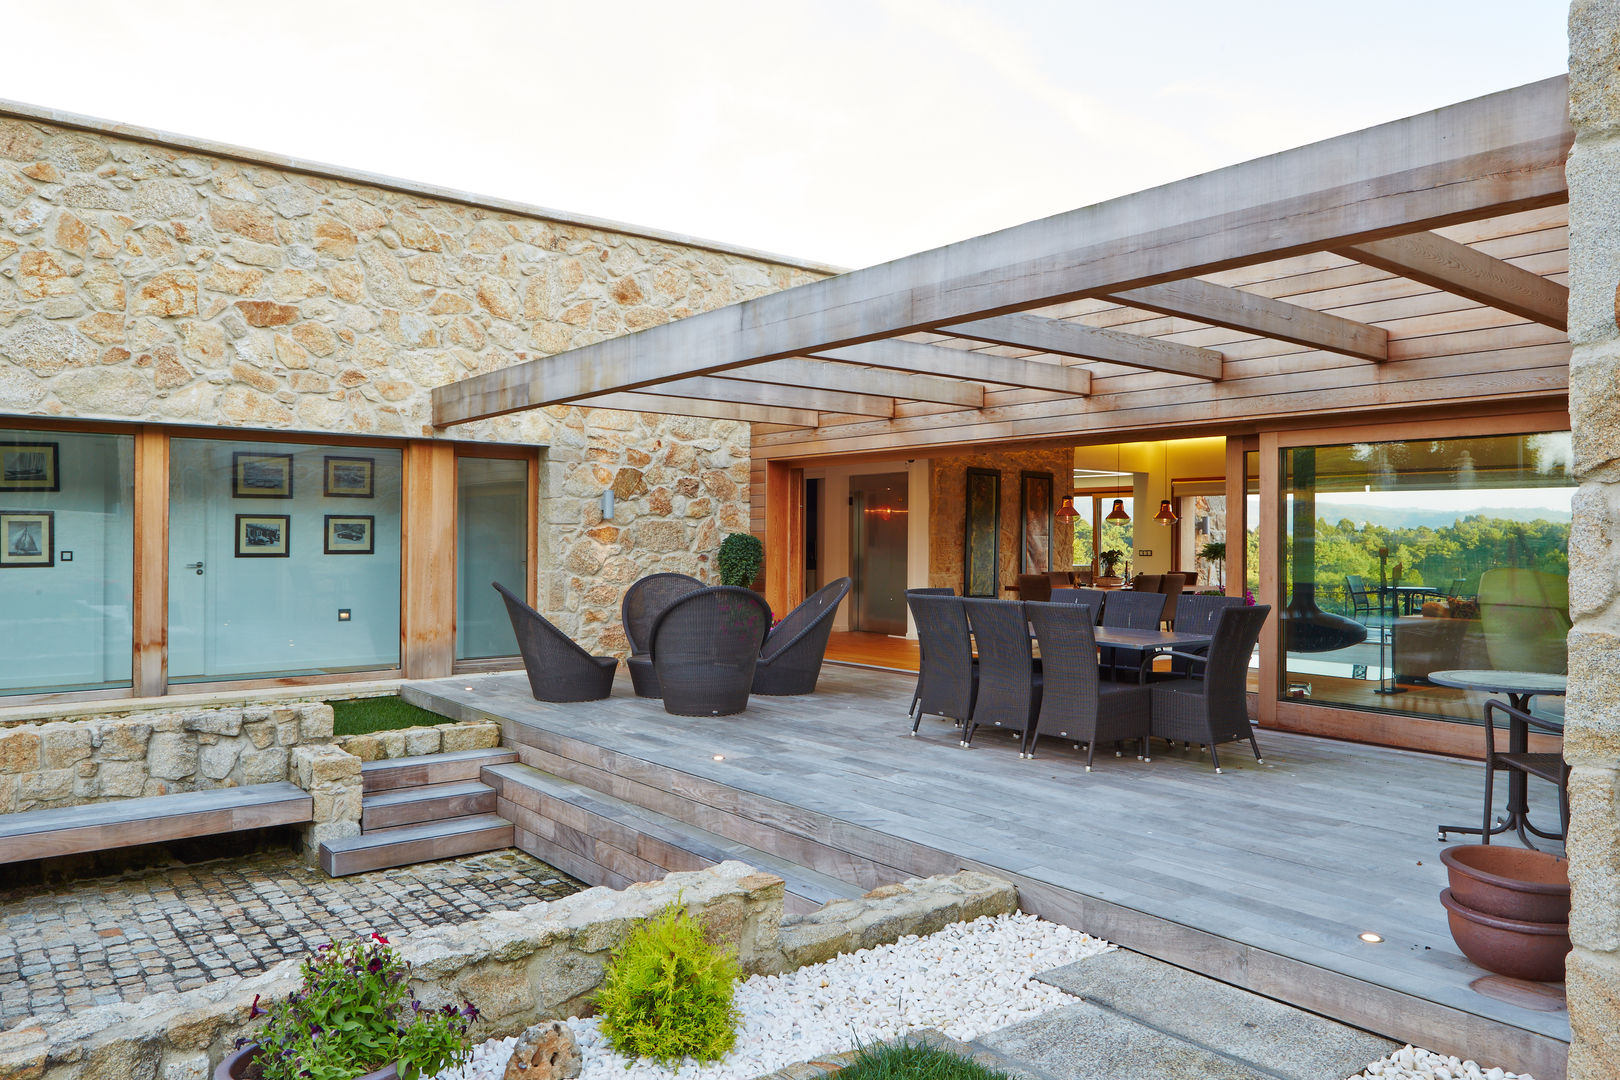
1214	708
1075	704
1131	610
705	647
916	694
1009	694
791	660
642	603
559	670
949	676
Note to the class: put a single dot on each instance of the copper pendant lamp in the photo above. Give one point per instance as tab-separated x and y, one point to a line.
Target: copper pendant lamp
1166	515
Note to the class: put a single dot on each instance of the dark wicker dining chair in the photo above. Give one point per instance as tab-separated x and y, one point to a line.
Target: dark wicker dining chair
1214	708
705	647
558	669
916	693
1075	704
1129	610
643	601
1034	587
1197	615
948	676
1009	694
790	661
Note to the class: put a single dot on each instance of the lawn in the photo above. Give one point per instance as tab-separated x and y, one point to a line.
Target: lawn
915	1061
359	716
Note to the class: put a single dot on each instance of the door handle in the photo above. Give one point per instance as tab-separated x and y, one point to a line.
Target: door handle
197	566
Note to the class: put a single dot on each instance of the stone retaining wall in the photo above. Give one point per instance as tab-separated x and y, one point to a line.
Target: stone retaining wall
428	739
539	962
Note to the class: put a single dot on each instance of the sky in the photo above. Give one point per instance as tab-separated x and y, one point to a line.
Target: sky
842	131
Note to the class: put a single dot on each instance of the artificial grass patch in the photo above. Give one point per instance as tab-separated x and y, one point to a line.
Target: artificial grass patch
907	1060
360	716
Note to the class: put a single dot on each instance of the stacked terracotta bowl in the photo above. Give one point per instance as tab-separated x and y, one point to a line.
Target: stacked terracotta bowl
1509	909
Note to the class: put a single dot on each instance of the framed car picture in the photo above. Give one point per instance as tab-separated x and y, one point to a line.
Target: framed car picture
261	476
263	536
29	466
351	534
27	538
350	477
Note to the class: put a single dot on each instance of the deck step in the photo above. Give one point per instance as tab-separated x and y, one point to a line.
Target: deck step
423	842
603	840
429	769
429	802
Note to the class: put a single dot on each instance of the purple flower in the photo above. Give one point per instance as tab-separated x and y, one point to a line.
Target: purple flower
469	1010
255	1012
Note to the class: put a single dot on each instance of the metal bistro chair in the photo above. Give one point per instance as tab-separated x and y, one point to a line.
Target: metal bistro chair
1075	704
948	679
1549	767
705	647
790	661
1036	587
643	601
1130	611
916	694
1009	695
1213	708
1356	589
558	669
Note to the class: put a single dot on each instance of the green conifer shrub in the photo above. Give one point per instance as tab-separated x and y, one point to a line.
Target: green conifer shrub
667	992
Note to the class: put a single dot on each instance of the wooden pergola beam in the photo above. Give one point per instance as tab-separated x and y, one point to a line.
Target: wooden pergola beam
1457	268
713	410
767	394
826	375
914	356
1494	155
1090	343
1235	309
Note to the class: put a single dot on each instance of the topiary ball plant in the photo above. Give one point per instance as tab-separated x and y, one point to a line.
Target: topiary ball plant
667	994
741	556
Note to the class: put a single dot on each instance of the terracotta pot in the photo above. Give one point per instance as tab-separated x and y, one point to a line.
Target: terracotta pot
236	1067
1509	882
1511	947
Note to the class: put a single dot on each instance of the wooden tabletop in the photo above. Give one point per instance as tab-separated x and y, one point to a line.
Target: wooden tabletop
1121	638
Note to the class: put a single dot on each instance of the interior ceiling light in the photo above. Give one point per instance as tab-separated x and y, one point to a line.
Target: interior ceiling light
1118	512
1166	514
1067	512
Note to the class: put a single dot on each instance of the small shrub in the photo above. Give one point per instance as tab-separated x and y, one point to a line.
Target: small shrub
741	556
667	993
907	1060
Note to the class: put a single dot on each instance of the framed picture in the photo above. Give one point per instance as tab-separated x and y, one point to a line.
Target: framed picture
261	476
1035	523
29	466
350	477
350	535
27	538
263	536
981	545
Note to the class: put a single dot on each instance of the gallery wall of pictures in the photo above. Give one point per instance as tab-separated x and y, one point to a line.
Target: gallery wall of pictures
284	559
66	560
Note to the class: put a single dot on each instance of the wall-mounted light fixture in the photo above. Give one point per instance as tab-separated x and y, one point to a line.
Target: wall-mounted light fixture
607	505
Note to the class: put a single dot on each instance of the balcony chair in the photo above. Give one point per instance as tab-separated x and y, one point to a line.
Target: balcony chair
790	661
948	675
1009	695
1037	587
1075	704
559	670
643	600
1549	767
1131	611
705	647
1197	616
916	694
1356	590
1212	707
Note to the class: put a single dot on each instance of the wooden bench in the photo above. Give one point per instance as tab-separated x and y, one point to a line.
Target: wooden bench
73	830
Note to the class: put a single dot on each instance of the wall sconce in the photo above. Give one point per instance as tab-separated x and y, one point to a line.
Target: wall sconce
607	505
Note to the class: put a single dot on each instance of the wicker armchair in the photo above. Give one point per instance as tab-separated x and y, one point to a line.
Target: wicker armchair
1214	709
559	670
948	679
1197	615
1075	704
643	601
791	660
1091	598
1009	694
916	694
1131	610
705	646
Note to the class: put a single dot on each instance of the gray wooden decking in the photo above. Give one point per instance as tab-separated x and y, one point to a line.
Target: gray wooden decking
1263	876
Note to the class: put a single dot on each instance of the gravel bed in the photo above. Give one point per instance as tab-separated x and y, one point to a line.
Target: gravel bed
967	979
1413	1063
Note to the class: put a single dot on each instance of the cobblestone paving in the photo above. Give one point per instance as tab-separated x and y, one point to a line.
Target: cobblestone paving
64	948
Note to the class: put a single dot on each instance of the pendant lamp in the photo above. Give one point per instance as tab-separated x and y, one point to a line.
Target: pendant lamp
1118	512
1067	512
1166	515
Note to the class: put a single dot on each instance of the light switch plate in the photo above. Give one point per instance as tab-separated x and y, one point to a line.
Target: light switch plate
1144	552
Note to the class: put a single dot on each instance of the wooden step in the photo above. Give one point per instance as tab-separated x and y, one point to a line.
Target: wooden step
423	842
429	769
603	840
430	802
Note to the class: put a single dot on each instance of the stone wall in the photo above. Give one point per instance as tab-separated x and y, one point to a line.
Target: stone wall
428	739
1592	735
539	962
948	500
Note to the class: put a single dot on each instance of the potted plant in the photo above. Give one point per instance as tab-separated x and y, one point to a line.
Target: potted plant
1109	560
1215	552
352	1018
741	556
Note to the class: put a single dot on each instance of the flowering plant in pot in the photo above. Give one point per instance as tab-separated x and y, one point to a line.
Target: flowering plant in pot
352	1018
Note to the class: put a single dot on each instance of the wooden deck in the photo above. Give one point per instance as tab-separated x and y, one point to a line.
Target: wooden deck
1263	876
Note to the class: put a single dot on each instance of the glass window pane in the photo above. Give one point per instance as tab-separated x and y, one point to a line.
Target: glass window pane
1405	558
284	559
492	544
67	560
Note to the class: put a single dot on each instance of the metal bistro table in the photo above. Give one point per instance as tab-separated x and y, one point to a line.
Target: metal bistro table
1520	687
